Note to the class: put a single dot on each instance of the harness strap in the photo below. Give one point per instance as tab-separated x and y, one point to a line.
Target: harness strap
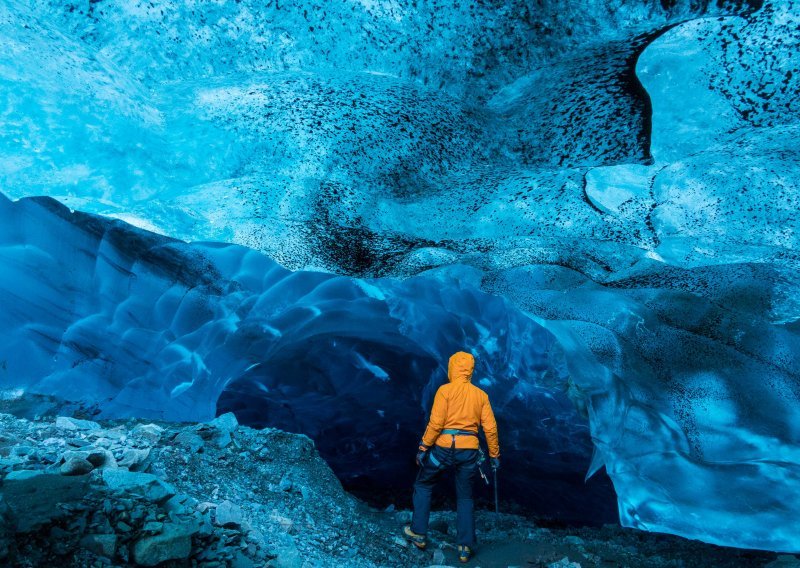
454	432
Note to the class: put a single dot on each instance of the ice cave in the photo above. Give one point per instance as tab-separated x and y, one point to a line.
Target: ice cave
295	211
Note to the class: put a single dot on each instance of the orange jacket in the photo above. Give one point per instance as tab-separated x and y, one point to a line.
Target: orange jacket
460	405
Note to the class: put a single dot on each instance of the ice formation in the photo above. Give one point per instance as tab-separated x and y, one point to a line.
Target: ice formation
142	325
617	181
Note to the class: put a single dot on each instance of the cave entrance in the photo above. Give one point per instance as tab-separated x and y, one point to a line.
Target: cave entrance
364	404
360	401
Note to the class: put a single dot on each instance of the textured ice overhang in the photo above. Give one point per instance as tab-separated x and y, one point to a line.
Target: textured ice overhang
136	324
625	173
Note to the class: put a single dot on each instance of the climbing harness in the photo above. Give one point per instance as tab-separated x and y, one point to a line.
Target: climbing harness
453	432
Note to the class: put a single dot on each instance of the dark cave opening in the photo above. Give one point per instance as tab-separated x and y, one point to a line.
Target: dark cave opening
365	404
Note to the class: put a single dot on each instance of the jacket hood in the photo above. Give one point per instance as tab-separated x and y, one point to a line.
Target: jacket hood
460	368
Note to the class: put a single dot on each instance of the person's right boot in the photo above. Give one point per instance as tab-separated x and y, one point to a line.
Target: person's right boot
418	540
464	553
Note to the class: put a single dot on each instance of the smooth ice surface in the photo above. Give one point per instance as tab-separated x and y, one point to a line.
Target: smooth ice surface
624	173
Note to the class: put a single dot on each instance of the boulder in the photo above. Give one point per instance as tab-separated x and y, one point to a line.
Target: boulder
117	434
206	528
178	505
228	514
69	454
241	561
173	543
225	425
153	526
23	450
124	527
204	506
98	457
100	544
288	556
101	457
10	462
149	432
76	466
8	440
144	484
286	483
134	459
33	496
69	423
190	440
226	422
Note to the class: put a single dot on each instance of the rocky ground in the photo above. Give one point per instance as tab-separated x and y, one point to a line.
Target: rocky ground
78	493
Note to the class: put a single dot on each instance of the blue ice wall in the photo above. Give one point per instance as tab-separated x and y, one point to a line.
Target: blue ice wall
624	173
137	324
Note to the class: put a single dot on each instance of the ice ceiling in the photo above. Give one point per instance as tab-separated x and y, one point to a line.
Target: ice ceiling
598	198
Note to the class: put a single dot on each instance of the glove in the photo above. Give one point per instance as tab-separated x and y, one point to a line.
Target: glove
421	454
495	463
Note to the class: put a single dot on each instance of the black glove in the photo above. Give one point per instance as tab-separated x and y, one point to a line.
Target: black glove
421	454
495	463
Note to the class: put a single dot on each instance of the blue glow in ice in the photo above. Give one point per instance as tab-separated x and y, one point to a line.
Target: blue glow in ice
598	198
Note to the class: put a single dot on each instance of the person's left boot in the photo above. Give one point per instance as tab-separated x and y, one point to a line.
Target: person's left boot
464	553
418	540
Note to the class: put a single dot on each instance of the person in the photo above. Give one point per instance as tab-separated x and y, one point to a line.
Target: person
451	441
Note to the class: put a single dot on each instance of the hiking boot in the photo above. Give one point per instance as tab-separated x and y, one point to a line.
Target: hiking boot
464	553
417	539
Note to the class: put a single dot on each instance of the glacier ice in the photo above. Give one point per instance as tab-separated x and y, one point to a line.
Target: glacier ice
617	181
137	324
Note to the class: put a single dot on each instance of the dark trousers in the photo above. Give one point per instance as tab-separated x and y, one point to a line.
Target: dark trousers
465	463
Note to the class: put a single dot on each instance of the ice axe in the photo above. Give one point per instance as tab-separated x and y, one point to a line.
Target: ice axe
481	459
496	502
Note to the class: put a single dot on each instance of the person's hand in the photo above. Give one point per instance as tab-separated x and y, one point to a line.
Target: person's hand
421	454
495	463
